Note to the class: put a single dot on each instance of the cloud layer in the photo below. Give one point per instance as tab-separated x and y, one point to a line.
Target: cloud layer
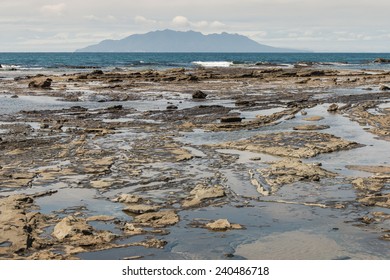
65	25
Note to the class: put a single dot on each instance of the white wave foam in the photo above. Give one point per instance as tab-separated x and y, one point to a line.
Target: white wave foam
333	63
6	67
213	63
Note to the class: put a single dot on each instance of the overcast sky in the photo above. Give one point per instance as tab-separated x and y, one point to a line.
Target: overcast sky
318	25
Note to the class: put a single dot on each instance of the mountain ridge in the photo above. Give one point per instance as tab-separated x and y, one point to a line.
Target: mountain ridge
183	41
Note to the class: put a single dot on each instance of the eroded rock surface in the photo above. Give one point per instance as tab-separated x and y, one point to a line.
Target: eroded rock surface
20	227
292	170
222	225
149	151
158	219
201	193
291	144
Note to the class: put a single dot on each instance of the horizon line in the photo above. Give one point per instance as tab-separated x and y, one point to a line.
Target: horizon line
300	52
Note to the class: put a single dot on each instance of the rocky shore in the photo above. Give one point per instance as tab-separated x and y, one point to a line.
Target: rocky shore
140	164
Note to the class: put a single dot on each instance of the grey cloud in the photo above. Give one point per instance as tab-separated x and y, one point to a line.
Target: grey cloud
310	23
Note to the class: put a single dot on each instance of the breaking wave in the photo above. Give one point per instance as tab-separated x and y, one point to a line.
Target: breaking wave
213	63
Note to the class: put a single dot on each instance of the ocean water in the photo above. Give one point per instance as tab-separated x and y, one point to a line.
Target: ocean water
86	61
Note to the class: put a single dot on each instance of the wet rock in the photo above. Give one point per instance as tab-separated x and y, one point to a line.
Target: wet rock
115	108
172	107
99	131
26	175
311	127
78	236
260	188
245	103
45	84
154	243
201	193
13	223
115	81
261	120
181	154
368	184
141	208
333	108
199	95
290	117
82	77
103	218
386	237
310	73
379	200
103	183
256	158
96	72
14	96
291	144
301	82
20	229
381	60
229	119
292	170
158	219
384	88
128	198
222	225
131	229
70	227
370	168
47	255
313	118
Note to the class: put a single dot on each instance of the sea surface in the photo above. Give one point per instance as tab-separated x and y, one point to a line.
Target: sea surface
60	62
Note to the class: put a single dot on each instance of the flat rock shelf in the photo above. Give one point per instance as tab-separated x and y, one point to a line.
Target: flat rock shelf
201	163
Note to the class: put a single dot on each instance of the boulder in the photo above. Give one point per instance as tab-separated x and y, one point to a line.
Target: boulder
128	198
71	226
131	229
199	95
97	72
115	108
222	225
140	208
172	107
229	119
368	184
333	108
158	219
40	83
384	88
381	60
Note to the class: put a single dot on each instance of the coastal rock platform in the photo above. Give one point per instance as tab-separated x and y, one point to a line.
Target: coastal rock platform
156	163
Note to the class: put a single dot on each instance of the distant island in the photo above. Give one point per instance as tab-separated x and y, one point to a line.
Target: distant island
179	41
